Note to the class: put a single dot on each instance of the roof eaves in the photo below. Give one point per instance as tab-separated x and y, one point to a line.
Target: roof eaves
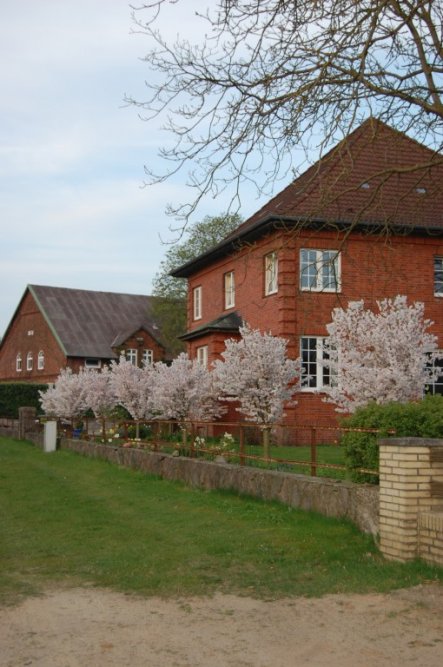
276	222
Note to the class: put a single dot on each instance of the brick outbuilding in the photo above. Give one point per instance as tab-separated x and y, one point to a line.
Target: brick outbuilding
57	327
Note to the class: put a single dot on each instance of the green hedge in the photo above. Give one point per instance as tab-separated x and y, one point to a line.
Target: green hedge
423	419
14	395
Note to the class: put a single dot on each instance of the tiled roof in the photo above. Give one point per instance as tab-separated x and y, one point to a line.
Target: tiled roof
87	323
369	179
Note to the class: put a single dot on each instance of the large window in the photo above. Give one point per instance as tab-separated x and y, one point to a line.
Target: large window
202	355
319	270
438	276
131	355
197	302
41	360
271	273
316	373
229	286
18	362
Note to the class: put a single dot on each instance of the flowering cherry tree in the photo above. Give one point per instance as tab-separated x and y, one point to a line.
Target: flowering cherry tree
67	396
257	373
185	391
384	356
133	389
100	394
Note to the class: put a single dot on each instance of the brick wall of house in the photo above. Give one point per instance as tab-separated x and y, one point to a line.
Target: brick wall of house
372	267
30	333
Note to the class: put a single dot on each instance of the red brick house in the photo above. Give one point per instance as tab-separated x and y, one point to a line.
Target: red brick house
57	327
362	223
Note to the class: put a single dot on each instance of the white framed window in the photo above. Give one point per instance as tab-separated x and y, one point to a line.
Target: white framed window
93	363
18	362
229	287
313	354
271	273
29	361
436	387
319	270
197	302
131	355
148	357
41	360
438	276
202	355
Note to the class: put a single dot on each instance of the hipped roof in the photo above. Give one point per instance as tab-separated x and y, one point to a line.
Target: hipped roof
369	181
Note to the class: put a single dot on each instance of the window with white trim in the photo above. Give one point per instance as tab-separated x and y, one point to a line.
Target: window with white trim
18	362
313	353
197	302
29	361
41	360
229	286
148	357
319	270
202	355
271	273
93	363
436	387
131	355
438	276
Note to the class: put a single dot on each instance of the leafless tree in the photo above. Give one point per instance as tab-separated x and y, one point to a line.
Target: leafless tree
268	77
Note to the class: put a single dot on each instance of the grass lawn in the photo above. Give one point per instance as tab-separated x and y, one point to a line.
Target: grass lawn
74	520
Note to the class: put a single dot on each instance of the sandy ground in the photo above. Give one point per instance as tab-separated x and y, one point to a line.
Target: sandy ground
95	628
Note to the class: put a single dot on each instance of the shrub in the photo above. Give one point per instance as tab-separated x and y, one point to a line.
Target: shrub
15	395
423	419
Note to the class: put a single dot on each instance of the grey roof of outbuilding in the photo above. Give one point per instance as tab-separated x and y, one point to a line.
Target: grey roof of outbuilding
88	323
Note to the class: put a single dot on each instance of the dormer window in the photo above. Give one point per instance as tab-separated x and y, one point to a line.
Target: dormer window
148	357
131	355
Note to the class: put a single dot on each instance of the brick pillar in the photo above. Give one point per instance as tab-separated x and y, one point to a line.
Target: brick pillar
406	482
26	421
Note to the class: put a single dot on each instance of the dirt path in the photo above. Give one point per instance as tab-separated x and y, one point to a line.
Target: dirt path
97	628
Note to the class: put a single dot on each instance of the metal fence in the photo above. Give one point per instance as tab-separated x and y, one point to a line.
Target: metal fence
305	449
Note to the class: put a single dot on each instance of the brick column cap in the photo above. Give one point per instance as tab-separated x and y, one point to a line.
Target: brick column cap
412	442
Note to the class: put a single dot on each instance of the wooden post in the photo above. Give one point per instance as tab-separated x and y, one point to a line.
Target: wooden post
242	446
313	452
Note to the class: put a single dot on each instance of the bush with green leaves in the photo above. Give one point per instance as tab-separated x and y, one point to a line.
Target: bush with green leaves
15	395
423	419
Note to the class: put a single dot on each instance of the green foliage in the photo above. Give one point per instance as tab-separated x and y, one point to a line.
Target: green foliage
72	520
15	395
423	419
169	309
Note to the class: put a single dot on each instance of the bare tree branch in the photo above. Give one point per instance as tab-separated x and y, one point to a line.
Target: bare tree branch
271	76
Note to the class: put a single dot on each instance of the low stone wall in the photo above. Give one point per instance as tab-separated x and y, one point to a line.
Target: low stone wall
334	498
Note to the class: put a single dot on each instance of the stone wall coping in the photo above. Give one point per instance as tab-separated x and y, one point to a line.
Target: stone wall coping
411	442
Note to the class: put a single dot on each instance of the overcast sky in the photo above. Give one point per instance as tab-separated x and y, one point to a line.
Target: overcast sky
73	210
